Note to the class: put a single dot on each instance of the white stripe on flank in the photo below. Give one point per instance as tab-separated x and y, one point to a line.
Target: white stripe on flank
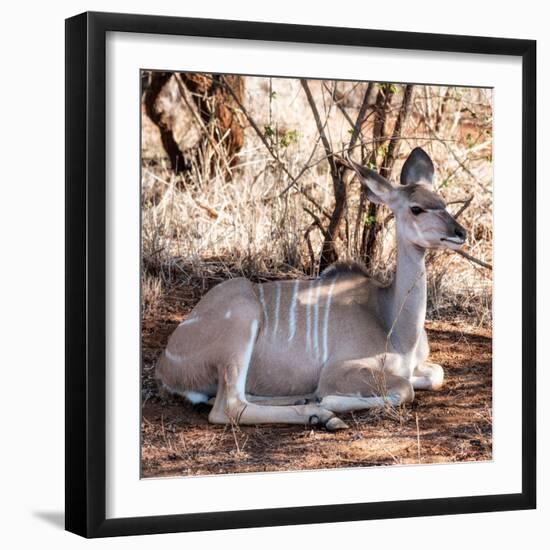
292	311
190	321
264	309
316	320
277	308
241	380
308	315
173	356
325	319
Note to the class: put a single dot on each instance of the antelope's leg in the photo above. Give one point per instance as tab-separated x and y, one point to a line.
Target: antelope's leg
280	400
252	413
353	386
427	376
231	404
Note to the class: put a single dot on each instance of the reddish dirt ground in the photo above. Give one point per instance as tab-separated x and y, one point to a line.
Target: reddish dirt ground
452	425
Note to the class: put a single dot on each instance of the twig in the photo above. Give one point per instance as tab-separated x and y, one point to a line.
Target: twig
418	439
361	115
306	165
395	142
316	221
260	134
455	156
328	250
321	129
474	260
181	88
467	203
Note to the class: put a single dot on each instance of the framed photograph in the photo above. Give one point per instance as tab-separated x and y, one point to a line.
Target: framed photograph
300	274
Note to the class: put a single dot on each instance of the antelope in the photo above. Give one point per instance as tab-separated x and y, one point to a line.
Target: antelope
303	351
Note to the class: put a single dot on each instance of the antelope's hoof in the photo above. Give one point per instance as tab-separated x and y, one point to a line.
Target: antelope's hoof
314	420
335	423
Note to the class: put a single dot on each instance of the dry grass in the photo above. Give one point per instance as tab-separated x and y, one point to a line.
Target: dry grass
201	228
253	227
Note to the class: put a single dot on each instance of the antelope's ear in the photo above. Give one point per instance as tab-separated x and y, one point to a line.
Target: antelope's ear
418	168
379	189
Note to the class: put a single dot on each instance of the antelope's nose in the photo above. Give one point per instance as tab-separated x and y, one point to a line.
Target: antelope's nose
460	232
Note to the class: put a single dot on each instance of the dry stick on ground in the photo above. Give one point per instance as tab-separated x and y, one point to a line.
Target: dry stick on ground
260	134
328	251
418	438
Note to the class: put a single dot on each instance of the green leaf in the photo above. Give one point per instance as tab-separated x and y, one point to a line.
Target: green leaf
369	220
289	137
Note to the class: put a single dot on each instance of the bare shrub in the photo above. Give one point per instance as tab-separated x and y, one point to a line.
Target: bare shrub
270	219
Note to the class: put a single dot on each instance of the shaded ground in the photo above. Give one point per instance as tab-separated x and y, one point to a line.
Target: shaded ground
451	425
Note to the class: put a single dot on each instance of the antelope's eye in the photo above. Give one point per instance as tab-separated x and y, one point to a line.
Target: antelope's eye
416	210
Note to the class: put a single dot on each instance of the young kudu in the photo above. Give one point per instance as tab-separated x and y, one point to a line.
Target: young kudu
300	351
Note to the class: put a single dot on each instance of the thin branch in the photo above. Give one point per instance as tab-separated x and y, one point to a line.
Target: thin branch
260	134
474	260
316	221
198	119
467	203
321	130
328	251
356	127
306	166
361	115
455	156
393	148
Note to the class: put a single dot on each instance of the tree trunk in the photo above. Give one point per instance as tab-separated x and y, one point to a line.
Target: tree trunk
214	105
372	227
328	251
177	159
369	243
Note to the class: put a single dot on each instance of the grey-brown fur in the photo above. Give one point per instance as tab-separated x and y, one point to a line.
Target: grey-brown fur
343	338
344	268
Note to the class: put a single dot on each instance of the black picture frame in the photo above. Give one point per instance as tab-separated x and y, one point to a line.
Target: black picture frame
86	275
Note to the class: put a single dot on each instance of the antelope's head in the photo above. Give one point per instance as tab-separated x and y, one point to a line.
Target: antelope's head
421	215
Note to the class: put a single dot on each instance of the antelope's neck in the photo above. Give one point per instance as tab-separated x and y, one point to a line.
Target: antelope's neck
407	298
